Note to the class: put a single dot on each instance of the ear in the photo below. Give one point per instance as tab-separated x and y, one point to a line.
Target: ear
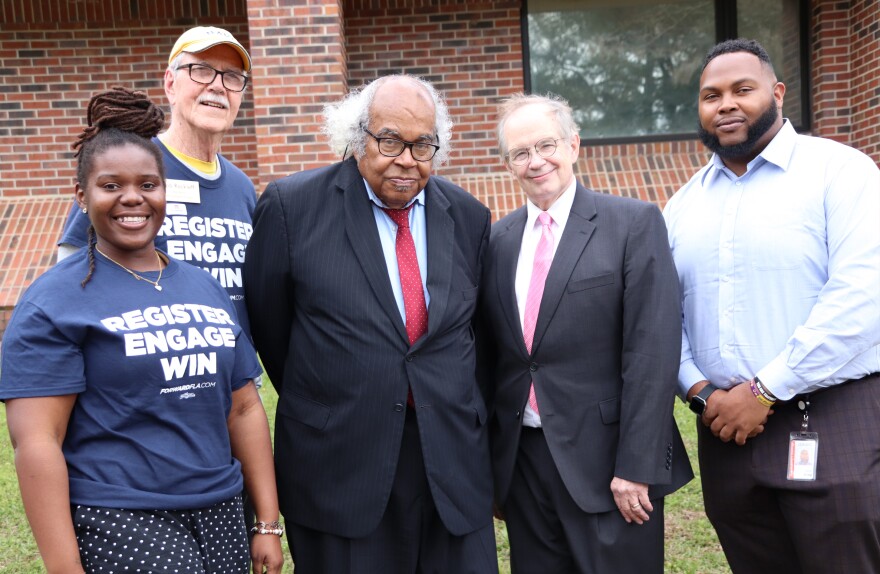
80	196
170	88
508	166
575	147
779	94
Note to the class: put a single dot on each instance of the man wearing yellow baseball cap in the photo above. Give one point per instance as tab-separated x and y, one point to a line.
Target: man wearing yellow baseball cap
210	202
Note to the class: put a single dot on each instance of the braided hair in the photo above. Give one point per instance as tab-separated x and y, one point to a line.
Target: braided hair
115	118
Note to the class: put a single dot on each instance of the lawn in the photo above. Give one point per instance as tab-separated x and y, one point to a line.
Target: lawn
691	545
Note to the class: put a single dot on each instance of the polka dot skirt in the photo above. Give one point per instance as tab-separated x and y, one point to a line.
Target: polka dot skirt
163	541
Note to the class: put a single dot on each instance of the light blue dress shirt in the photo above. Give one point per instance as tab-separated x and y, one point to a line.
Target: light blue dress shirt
388	236
780	268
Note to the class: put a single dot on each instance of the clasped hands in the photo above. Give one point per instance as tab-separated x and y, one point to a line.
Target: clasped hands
735	414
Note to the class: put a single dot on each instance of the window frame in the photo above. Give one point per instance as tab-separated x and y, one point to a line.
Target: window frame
725	28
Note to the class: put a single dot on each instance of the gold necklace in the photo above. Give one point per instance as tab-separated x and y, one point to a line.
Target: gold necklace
135	275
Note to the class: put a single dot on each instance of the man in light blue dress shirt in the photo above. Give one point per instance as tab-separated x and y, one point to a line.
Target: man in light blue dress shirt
777	246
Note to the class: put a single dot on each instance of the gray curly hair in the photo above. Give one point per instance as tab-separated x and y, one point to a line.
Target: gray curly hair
344	119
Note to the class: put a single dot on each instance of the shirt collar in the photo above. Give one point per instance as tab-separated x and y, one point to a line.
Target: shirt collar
778	152
560	209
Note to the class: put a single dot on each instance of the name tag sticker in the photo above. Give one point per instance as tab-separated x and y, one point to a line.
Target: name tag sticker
175	209
180	190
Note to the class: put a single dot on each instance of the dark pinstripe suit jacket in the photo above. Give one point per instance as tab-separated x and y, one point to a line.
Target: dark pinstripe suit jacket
331	338
605	354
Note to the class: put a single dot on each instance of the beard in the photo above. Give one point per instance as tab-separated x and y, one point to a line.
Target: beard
745	148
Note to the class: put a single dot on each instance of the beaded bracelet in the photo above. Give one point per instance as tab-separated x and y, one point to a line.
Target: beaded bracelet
268	528
758	395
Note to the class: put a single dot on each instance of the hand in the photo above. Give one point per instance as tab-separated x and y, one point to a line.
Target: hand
266	554
738	415
632	500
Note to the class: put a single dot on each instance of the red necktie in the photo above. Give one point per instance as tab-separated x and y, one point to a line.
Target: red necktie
410	279
541	266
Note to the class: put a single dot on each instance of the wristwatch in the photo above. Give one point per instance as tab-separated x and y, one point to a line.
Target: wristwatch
698	402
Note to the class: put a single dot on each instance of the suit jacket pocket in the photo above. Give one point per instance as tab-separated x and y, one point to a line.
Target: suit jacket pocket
609	410
590	282
306	411
469	294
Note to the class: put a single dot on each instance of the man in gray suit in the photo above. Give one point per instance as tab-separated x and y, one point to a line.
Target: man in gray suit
362	282
582	318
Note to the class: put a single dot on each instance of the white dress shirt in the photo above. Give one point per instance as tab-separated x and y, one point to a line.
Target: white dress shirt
559	212
780	267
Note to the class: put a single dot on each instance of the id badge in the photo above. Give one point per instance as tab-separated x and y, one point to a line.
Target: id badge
803	451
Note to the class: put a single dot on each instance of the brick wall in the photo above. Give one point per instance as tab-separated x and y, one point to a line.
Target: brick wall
299	58
865	83
845	57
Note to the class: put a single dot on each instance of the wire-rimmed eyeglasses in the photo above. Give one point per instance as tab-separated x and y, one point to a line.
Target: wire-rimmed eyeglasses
393	147
205	74
521	156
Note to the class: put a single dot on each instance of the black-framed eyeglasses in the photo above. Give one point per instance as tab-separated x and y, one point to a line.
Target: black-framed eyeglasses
205	74
393	147
521	156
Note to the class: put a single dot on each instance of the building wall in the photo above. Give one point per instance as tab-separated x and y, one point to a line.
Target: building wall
55	55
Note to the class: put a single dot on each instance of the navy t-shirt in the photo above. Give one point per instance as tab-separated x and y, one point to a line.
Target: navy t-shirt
153	371
208	223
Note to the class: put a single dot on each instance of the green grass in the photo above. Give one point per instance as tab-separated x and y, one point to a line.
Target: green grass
691	544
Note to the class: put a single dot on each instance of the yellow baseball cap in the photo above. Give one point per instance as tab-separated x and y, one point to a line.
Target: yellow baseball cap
201	38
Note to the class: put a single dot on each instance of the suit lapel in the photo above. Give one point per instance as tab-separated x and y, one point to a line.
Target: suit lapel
360	227
509	241
441	245
578	230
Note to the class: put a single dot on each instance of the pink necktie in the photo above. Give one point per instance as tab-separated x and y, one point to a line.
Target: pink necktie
410	279
543	258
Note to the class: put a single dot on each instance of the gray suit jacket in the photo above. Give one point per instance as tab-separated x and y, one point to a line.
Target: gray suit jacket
605	354
331	338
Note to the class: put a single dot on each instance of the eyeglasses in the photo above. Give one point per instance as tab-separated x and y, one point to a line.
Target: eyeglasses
393	147
521	156
205	74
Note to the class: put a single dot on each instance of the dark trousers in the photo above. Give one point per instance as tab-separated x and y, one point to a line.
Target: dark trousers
549	533
200	541
410	538
770	525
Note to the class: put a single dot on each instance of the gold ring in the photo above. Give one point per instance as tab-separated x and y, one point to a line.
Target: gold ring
635	506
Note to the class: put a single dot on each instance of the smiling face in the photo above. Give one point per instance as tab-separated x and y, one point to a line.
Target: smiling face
125	197
740	107
201	109
543	179
400	109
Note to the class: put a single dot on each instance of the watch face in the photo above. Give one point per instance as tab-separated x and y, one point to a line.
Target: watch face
697	405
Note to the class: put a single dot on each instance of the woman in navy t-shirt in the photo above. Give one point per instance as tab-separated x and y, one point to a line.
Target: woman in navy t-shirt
128	385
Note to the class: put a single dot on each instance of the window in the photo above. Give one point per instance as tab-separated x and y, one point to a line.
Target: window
631	68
